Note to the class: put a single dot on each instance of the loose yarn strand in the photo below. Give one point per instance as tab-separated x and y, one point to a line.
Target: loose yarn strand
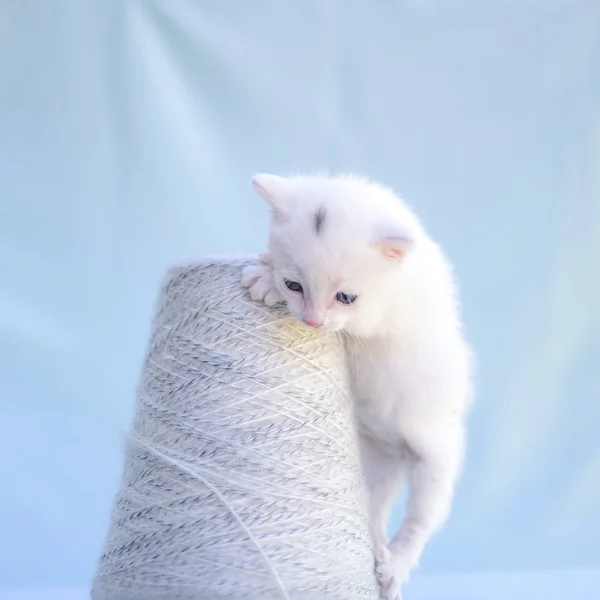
230	508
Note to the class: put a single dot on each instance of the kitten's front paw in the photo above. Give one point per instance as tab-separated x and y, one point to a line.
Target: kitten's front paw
389	578
259	280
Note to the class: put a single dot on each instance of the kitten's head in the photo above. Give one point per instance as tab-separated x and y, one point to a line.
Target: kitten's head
336	244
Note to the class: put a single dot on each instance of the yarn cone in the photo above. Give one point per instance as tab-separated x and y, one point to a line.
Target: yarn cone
241	475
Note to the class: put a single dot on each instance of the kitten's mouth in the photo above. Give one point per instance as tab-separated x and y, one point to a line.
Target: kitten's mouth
306	325
313	327
321	328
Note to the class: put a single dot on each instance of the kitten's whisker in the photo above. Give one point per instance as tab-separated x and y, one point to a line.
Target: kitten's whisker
351	342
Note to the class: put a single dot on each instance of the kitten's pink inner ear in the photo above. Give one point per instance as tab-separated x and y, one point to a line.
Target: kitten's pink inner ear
272	189
394	248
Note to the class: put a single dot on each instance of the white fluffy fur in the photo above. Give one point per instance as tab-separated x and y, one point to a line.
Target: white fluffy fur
408	360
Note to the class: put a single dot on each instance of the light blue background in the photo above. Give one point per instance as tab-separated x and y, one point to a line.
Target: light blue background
128	133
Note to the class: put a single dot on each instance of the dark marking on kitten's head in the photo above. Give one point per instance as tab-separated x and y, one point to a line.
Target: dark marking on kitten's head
320	220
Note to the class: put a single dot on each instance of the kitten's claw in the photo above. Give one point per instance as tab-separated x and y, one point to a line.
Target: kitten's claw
259	280
272	297
265	258
386	574
251	274
260	288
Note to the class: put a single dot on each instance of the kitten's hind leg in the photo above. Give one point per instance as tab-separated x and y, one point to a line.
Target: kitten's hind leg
384	471
432	477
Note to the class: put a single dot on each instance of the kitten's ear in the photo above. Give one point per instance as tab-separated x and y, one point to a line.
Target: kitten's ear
273	189
394	244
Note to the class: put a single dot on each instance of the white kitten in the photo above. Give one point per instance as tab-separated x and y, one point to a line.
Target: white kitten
347	255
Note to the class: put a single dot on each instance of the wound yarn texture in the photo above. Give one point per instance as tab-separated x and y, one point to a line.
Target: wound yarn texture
241	476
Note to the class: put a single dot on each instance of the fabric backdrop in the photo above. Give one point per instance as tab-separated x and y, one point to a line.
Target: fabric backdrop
128	134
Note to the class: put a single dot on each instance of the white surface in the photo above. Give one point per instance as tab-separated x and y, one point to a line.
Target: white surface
575	585
128	134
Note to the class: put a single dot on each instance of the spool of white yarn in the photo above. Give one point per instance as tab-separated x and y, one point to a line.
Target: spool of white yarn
241	474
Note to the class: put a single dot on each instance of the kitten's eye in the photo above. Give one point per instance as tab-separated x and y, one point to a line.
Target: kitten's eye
294	286
344	298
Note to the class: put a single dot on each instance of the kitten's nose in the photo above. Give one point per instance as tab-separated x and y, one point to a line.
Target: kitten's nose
313	321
